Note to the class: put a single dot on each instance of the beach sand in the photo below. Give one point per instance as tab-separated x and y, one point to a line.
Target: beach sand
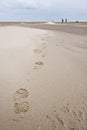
43	77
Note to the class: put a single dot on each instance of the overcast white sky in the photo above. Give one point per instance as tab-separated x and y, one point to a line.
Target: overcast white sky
43	9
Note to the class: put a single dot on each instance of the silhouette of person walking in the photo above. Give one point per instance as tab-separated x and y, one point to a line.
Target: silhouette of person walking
66	20
62	20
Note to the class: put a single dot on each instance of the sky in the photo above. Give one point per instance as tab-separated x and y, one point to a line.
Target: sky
40	10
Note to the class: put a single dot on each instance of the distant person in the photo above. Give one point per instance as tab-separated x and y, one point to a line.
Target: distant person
66	20
62	20
77	21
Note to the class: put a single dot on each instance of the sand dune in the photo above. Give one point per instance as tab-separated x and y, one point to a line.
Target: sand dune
43	79
50	23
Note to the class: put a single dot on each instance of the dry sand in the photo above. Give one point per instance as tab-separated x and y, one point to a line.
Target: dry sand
43	79
50	23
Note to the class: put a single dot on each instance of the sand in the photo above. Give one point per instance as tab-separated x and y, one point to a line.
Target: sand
50	23
43	79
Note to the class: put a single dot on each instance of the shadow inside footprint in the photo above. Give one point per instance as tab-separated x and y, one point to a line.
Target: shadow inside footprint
21	107
20	101
39	63
21	93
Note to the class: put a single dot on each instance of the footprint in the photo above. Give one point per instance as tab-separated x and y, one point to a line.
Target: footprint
59	120
74	113
39	63
37	51
16	120
56	121
43	56
81	114
21	107
72	125
52	122
43	39
21	104
21	93
65	109
44	45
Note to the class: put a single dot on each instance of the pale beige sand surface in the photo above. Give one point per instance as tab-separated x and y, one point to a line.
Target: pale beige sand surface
43	79
50	23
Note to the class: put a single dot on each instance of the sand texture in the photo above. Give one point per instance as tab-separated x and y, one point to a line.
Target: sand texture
43	78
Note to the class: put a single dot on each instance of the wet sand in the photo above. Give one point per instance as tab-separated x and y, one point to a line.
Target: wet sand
43	76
